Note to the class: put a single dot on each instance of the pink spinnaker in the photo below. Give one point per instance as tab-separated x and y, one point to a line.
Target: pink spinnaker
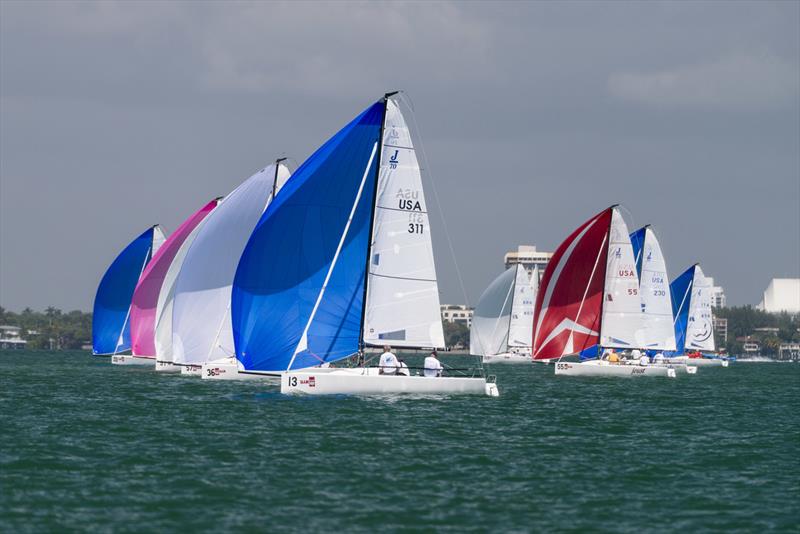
145	296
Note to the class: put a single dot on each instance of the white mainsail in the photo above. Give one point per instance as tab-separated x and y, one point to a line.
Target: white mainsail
163	329
201	319
490	321
402	305
700	328
520	329
622	308
657	330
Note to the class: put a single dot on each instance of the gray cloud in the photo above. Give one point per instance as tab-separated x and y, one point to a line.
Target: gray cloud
743	82
534	116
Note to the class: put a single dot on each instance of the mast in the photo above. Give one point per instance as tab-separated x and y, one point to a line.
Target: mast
275	178
511	310
361	343
603	299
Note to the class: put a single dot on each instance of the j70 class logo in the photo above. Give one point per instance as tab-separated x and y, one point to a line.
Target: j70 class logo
393	135
393	160
618	253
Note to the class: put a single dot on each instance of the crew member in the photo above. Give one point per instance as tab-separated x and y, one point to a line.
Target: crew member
388	363
432	366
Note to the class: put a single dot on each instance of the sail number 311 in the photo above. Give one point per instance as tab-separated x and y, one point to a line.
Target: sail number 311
416	228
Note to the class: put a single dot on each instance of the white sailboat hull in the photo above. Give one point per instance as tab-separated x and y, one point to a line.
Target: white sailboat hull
191	369
603	368
700	362
167	367
369	382
228	369
127	359
507	357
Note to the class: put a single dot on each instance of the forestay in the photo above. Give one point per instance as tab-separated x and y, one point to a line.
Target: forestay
402	305
657	332
145	296
492	316
111	311
299	287
622	317
201	321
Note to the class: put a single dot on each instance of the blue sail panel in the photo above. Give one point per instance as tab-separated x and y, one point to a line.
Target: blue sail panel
681	291
110	324
283	267
637	240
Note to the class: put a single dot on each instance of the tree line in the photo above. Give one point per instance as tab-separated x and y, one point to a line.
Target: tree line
54	329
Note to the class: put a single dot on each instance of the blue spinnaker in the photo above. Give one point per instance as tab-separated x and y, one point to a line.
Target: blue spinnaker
681	291
637	240
110	323
292	249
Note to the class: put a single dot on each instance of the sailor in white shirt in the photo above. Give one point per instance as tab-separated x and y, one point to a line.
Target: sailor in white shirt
388	364
433	367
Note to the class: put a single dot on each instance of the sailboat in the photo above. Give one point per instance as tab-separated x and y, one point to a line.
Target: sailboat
163	329
111	329
694	328
146	295
342	261
503	319
201	325
657	335
589	295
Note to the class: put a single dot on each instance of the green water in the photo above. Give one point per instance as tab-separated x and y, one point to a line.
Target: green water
90	446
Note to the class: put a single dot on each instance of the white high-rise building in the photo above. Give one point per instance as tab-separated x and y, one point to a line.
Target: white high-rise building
717	294
782	294
529	257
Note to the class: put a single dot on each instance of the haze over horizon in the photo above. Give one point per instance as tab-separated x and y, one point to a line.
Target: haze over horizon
533	117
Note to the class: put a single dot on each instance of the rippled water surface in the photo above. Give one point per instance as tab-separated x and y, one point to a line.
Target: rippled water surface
90	446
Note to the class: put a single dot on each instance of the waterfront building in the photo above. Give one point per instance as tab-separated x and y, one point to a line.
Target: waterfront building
11	338
529	257
457	313
720	325
717	294
781	295
751	348
789	351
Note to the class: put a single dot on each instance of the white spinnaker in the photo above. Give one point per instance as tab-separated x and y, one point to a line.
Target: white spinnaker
657	331
163	330
201	318
402	305
488	334
520	329
622	306
158	239
699	327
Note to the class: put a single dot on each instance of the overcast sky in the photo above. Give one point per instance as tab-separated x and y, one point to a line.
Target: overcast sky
118	115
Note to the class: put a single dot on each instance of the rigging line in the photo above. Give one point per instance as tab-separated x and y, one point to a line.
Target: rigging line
431	182
404	211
